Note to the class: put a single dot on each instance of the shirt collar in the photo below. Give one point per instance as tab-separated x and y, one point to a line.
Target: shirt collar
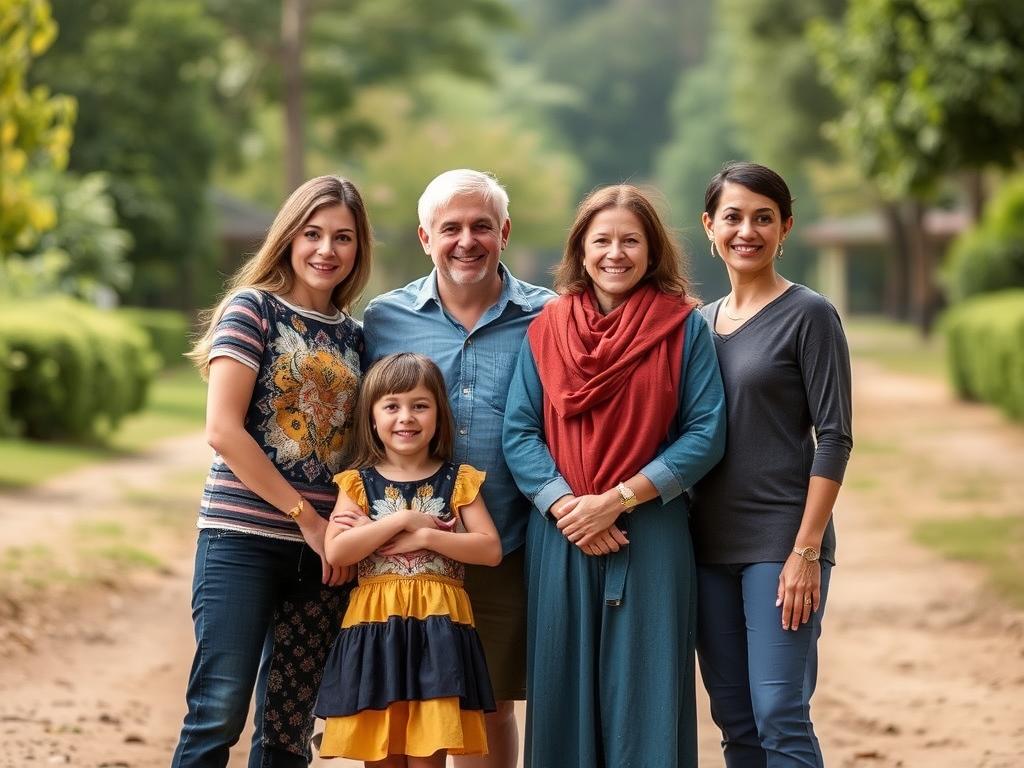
511	290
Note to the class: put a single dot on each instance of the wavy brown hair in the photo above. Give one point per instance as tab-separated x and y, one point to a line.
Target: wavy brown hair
393	375
270	268
666	267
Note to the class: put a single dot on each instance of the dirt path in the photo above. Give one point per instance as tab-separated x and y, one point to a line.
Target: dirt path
920	665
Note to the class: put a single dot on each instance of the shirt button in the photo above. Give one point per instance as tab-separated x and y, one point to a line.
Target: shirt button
466	390
463	430
469	342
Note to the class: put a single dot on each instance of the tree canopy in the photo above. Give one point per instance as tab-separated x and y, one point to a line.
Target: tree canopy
927	87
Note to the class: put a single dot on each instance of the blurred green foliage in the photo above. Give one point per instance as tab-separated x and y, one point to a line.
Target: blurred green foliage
927	88
985	339
990	256
553	96
35	126
166	329
84	254
334	51
467	131
620	61
696	152
772	80
144	74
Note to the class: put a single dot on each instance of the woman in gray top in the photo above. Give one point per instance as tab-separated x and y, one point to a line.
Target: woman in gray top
762	519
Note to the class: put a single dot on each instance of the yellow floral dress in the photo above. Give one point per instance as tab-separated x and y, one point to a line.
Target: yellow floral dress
407	674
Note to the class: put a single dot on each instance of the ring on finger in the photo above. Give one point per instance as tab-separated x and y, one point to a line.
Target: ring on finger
807	600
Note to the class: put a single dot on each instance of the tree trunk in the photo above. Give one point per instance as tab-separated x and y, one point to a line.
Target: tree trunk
896	301
974	186
923	290
293	30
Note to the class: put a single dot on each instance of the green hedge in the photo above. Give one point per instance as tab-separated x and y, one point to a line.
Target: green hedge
990	256
985	338
73	370
168	332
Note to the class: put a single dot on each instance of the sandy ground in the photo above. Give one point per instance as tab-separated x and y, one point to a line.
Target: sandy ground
920	664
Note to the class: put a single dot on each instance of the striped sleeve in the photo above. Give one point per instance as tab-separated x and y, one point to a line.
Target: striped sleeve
241	332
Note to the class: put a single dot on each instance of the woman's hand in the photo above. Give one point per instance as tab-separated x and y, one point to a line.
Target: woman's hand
591	516
407	541
314	529
344	574
607	541
799	591
563	505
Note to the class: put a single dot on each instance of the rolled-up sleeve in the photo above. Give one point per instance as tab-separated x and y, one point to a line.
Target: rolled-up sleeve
526	451
700	420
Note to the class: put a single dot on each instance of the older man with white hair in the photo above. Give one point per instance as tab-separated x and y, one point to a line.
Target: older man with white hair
470	315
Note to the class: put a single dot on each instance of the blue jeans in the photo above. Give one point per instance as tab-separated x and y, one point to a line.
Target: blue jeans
240	581
760	677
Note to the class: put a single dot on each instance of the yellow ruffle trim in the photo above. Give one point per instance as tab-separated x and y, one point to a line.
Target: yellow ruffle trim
416	728
350	482
467	486
417	597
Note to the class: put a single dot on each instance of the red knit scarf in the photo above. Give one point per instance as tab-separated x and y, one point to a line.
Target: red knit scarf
611	382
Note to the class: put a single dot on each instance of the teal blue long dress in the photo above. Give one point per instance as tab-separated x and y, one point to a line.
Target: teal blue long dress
610	639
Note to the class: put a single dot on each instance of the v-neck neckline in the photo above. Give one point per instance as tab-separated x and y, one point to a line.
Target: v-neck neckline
750	320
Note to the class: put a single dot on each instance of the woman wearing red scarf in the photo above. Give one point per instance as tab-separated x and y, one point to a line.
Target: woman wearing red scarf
615	409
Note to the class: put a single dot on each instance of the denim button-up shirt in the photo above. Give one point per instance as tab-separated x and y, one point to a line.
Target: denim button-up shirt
477	365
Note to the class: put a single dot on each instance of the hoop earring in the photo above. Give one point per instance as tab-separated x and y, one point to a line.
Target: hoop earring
778	253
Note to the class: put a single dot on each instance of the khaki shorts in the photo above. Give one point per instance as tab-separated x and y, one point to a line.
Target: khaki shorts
498	595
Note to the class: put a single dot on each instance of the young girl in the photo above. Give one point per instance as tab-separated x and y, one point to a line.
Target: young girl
406	681
282	358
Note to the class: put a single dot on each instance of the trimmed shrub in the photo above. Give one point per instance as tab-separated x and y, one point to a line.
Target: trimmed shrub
74	370
167	329
990	257
985	338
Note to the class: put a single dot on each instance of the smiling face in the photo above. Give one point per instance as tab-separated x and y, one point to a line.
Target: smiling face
746	229
405	422
465	241
615	255
323	254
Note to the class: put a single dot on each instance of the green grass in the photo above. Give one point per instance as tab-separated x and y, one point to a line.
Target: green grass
897	347
995	543
176	405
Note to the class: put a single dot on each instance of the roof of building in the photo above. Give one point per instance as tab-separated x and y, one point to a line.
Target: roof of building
237	219
869	228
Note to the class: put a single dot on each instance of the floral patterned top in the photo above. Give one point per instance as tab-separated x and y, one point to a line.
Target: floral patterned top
308	369
441	495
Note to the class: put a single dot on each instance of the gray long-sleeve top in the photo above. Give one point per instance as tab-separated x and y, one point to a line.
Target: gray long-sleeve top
787	391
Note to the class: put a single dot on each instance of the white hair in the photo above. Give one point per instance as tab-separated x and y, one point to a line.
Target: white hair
461	182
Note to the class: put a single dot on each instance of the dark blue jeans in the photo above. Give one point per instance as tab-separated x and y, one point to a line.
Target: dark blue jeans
240	583
760	677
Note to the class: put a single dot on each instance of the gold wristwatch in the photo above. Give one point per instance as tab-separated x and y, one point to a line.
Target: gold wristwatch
810	554
626	496
295	511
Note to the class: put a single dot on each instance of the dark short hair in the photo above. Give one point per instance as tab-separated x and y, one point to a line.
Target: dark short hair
394	375
756	178
666	268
